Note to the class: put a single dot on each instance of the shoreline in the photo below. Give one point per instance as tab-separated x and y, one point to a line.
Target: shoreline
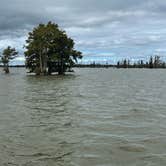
97	66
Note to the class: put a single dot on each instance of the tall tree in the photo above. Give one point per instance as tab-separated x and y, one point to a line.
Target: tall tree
125	63
7	55
151	65
157	62
49	49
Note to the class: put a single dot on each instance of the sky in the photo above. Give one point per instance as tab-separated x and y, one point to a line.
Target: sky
102	30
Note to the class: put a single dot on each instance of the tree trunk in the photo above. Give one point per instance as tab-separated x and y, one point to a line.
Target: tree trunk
61	67
45	72
43	62
6	68
41	66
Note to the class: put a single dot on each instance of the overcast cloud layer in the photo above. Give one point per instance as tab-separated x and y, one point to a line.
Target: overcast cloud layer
118	28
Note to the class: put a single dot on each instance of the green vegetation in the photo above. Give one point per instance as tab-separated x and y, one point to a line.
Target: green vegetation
7	55
154	62
49	49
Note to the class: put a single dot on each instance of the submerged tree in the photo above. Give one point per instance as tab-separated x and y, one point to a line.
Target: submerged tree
49	49
151	65
153	62
157	62
7	55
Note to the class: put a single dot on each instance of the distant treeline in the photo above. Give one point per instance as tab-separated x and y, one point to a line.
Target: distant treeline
94	65
154	62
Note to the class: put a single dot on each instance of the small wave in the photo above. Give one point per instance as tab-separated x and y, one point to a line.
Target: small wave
56	158
133	148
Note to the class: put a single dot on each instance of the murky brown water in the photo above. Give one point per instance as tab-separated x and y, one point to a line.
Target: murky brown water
96	117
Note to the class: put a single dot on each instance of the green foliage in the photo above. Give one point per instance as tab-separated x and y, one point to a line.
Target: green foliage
47	48
7	55
154	62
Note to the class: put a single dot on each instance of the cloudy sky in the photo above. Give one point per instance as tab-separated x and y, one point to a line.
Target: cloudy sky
108	28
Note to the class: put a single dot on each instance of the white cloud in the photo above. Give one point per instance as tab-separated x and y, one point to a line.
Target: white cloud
118	27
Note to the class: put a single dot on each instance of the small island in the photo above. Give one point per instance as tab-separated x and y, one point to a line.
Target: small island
48	50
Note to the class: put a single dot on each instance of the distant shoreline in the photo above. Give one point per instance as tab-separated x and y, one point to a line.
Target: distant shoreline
96	66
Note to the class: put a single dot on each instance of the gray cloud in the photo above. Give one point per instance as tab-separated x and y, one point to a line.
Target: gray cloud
118	27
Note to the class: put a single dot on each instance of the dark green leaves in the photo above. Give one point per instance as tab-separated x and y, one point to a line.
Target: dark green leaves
48	47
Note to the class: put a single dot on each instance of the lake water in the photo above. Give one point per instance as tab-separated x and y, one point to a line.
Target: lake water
95	117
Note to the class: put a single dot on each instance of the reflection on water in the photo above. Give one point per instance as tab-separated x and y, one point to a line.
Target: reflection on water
96	117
